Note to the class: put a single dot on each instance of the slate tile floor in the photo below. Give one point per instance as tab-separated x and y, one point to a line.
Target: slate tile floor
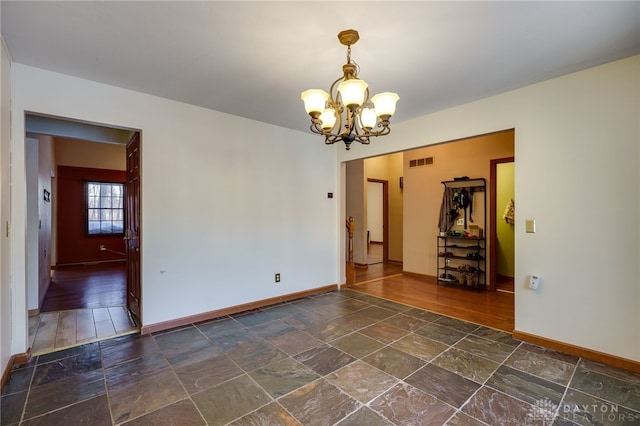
342	358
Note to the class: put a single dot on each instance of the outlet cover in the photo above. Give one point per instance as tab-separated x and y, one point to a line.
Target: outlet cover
460	222
277	278
534	282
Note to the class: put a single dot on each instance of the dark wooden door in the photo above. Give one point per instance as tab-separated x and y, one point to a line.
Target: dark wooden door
132	232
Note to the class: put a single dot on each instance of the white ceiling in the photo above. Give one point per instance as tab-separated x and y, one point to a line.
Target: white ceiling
254	58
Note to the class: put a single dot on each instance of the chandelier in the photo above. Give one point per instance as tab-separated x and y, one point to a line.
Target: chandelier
349	114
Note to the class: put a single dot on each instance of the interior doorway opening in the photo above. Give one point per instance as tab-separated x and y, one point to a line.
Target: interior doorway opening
81	296
377	221
419	177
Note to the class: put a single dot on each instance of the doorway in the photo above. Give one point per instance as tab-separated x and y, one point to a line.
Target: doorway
84	296
502	234
421	173
377	221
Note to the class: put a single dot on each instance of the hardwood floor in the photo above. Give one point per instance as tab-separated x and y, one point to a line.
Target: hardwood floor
86	287
54	331
377	271
489	308
85	303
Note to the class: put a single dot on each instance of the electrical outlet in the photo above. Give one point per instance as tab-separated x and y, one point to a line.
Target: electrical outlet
102	247
534	282
460	222
277	278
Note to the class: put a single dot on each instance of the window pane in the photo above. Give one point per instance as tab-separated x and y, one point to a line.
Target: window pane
105	208
105	227
93	189
94	227
118	227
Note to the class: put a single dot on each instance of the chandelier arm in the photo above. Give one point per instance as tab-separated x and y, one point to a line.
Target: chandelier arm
331	139
315	127
382	132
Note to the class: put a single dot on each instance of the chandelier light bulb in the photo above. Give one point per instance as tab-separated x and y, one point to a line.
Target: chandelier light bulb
314	100
328	118
352	91
385	103
368	118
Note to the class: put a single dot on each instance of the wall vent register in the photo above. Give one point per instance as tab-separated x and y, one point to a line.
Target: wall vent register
419	162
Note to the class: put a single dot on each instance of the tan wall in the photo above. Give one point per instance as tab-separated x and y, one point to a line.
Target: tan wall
505	252
396	207
423	191
94	155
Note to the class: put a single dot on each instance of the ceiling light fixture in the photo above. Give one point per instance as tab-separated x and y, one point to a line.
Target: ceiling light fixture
363	117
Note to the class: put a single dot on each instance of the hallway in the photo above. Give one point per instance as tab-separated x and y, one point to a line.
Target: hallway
84	304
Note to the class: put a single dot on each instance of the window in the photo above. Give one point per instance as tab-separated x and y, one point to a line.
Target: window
105	208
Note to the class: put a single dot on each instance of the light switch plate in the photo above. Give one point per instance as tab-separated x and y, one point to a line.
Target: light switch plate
530	226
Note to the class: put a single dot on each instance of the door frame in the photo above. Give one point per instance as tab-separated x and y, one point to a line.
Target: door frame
493	215
385	217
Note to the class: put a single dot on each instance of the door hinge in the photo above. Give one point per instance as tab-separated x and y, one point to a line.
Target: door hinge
7	229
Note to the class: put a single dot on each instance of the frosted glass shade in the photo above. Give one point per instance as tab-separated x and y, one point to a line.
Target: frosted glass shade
352	91
314	100
385	103
328	118
368	118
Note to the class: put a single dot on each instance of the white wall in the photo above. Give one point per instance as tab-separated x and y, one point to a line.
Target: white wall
5	207
226	202
32	232
577	140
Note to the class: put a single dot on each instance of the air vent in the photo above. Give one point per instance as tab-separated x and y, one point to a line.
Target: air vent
421	162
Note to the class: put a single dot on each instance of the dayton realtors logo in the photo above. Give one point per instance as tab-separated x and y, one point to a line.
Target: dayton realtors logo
598	413
542	411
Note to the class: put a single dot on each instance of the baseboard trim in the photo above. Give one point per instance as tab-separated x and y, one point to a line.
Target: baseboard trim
17	359
205	316
429	278
88	263
505	278
590	354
